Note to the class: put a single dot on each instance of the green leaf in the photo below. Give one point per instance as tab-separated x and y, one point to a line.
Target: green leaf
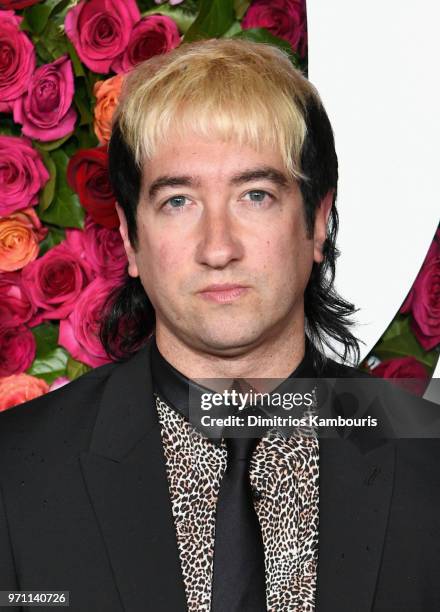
183	19
46	337
48	192
240	7
52	144
54	237
264	36
75	369
399	341
65	210
51	366
214	19
53	39
78	68
37	15
233	30
82	102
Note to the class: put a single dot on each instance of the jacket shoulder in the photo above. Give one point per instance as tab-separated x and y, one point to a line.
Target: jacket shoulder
61	418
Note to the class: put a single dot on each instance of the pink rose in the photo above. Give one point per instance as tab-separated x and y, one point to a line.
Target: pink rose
406	372
22	174
15	306
426	304
153	35
46	111
79	333
433	253
59	382
104	250
17	350
17	60
283	18
20	388
56	280
100	30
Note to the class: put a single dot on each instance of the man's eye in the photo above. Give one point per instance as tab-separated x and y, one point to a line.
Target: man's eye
176	201
258	196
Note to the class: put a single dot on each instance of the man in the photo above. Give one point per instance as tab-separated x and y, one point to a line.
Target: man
223	163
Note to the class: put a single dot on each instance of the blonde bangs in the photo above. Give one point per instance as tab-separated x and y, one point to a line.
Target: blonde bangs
230	90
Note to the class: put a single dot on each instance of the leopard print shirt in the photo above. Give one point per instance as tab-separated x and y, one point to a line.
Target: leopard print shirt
283	471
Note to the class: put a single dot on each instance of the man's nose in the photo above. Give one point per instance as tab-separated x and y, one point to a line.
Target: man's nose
219	242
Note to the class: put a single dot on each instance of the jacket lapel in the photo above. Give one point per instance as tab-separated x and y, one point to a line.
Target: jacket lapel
126	480
355	493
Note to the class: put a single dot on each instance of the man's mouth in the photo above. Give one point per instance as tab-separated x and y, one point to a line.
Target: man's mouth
223	293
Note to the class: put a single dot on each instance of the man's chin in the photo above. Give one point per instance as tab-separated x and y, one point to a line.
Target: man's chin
228	342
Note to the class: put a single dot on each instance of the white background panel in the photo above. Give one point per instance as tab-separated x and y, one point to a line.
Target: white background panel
375	65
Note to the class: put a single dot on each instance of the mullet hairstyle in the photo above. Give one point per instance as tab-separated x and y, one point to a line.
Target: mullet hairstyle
233	90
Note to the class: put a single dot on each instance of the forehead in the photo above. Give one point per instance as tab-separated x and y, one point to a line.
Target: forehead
209	157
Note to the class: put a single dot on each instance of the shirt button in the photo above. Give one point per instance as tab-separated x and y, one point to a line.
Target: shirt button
256	494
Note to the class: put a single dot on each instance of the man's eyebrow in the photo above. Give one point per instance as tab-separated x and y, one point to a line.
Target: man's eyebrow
185	180
171	181
261	172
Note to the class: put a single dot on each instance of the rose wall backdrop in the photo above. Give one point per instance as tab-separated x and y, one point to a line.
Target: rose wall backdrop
62	65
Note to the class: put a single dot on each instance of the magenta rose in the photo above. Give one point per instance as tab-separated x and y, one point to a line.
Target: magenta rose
104	250
17	60
46	111
153	35
406	372
15	305
79	333
17	350
426	304
100	30
283	18
17	4
22	174
55	281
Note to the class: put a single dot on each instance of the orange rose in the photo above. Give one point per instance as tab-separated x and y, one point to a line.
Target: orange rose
107	96
20	388
20	234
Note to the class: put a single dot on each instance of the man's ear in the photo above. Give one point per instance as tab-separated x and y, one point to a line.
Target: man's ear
320	230
132	265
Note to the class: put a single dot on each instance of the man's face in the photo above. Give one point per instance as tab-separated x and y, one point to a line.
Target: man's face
223	252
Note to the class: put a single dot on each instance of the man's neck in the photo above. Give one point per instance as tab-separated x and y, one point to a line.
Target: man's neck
274	359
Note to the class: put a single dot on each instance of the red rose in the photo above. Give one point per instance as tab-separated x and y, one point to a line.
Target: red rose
46	111
15	306
17	60
283	18
152	36
20	388
404	368
55	281
17	350
100	30
104	250
17	4
87	174
22	174
79	333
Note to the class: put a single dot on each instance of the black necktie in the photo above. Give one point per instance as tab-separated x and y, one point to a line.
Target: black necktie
238	577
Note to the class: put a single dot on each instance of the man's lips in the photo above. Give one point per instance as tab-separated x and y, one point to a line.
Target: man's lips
221	293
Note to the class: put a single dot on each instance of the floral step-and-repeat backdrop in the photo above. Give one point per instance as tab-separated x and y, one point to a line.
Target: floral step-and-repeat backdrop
62	64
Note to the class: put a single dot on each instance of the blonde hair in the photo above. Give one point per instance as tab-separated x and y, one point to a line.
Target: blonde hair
220	88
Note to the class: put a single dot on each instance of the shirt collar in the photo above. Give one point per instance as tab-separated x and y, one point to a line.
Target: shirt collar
175	388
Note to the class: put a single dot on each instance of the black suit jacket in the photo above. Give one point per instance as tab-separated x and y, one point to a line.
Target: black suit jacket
85	506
